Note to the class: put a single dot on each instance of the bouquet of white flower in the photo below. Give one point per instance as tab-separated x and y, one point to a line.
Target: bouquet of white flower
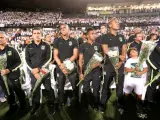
69	66
97	58
3	65
146	49
113	55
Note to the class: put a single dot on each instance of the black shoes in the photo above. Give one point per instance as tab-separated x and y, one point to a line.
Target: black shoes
12	110
51	109
102	108
35	110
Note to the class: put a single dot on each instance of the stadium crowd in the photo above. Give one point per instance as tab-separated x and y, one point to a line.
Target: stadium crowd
84	61
11	19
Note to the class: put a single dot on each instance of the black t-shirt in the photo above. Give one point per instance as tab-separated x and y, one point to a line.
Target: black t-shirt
131	39
65	47
88	50
113	41
155	56
80	40
136	45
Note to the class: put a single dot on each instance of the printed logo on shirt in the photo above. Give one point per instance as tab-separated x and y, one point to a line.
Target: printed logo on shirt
57	74
70	43
9	53
95	48
120	39
42	47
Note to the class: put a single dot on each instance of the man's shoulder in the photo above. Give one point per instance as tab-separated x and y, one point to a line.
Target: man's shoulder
97	44
45	43
83	44
9	48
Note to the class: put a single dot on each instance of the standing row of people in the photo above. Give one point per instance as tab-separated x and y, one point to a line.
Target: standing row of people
39	54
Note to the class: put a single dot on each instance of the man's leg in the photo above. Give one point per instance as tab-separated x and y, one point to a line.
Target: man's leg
49	94
13	107
73	78
36	97
151	91
119	87
108	77
86	92
61	82
96	80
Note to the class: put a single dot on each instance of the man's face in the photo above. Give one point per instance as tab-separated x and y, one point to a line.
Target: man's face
154	37
36	35
114	24
81	34
139	37
103	29
3	39
73	35
64	30
91	35
48	38
54	34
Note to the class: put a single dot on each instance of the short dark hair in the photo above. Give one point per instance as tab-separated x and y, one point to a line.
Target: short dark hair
153	34
133	48
135	35
63	24
88	30
103	25
110	20
36	28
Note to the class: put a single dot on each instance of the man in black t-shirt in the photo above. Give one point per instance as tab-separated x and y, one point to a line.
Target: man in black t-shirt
131	38
65	48
103	30
137	43
113	39
86	51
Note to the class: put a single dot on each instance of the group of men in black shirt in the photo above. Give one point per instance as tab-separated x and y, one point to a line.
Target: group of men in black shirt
39	54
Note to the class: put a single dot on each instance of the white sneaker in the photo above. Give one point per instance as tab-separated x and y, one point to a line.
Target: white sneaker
3	99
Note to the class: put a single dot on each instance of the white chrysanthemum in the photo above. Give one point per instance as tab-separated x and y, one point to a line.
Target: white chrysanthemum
98	58
69	65
113	53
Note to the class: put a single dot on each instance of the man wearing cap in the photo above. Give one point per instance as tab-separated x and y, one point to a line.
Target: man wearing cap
113	39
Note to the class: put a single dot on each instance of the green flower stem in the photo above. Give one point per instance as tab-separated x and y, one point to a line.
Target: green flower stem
38	82
6	84
155	78
116	76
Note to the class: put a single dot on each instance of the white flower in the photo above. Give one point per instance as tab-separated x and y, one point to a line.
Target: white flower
98	58
69	65
113	53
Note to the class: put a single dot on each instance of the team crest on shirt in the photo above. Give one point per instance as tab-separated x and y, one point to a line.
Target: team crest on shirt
120	39
42	47
9	53
95	48
70	43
